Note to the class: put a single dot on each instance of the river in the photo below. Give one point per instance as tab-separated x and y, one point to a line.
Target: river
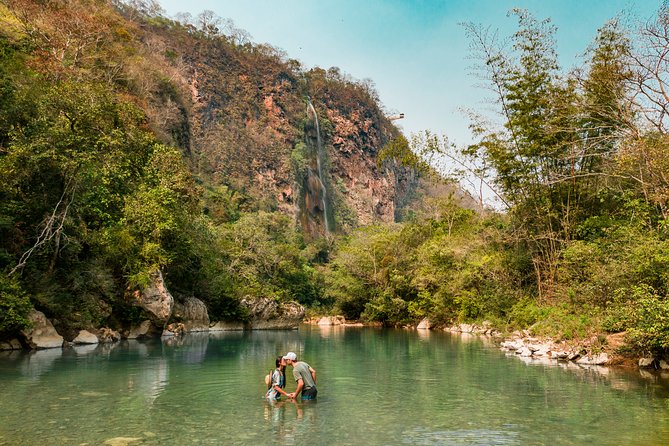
376	387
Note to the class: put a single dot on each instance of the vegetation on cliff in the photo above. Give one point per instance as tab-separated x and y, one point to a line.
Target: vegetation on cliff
131	143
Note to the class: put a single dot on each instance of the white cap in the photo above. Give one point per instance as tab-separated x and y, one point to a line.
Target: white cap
290	355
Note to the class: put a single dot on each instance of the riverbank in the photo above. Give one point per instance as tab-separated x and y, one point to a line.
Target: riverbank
599	350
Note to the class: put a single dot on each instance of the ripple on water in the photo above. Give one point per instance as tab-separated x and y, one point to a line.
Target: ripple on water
475	437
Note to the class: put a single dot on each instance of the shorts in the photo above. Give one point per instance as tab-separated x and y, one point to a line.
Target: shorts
309	393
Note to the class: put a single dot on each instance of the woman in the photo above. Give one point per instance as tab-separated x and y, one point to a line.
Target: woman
278	380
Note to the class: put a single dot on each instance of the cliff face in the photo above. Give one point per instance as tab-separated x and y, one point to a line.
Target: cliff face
301	142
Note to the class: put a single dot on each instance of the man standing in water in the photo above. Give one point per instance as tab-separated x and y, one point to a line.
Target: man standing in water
305	377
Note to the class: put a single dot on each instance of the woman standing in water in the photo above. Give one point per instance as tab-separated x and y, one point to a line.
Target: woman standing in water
278	380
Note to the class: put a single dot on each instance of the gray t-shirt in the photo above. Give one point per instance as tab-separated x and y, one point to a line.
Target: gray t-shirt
301	371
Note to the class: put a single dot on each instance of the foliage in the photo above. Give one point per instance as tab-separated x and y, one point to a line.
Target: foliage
14	306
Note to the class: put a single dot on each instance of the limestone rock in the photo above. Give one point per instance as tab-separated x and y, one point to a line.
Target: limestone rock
646	362
196	317
664	365
226	326
143	330
424	325
85	337
106	335
524	352
599	359
326	320
155	299
42	334
267	314
11	344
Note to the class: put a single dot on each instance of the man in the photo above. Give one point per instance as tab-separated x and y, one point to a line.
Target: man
305	377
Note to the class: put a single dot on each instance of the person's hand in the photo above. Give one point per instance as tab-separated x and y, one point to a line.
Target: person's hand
291	395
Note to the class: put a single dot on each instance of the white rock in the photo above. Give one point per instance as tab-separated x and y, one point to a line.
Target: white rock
599	359
664	365
466	328
85	337
325	320
646	362
524	351
424	325
42	334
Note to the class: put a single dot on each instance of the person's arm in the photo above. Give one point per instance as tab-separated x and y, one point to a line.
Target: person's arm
297	391
280	390
313	374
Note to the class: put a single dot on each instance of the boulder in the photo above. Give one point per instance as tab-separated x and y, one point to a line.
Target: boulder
41	334
196	317
326	320
155	299
144	330
664	365
646	362
524	352
85	337
226	326
11	344
106	335
268	314
599	359
424	325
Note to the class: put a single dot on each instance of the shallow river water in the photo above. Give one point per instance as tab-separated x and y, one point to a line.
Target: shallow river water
376	387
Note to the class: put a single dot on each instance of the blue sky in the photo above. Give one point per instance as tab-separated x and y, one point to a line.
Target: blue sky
414	51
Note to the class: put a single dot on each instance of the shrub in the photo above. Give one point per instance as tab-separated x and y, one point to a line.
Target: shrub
14	306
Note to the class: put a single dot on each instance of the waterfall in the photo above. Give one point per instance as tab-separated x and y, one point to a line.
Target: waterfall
319	156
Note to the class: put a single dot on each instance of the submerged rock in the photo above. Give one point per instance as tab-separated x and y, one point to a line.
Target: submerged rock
42	334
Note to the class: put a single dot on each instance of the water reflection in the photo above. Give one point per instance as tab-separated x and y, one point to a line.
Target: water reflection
38	362
290	419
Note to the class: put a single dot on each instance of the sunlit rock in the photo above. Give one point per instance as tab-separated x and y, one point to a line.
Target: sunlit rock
85	337
155	299
42	334
424	325
524	352
599	359
326	320
646	362
664	365
107	335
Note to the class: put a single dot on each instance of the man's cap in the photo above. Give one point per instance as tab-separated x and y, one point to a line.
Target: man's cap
290	355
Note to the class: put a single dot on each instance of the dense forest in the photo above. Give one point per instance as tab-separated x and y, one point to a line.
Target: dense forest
131	143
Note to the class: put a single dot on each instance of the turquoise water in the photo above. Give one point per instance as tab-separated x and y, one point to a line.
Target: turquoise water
377	387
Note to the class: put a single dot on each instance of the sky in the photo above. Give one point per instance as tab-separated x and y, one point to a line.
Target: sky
415	51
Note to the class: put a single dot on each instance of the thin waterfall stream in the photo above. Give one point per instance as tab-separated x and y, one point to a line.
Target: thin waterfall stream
319	167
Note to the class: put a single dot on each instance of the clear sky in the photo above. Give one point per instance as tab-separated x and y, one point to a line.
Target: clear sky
415	51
